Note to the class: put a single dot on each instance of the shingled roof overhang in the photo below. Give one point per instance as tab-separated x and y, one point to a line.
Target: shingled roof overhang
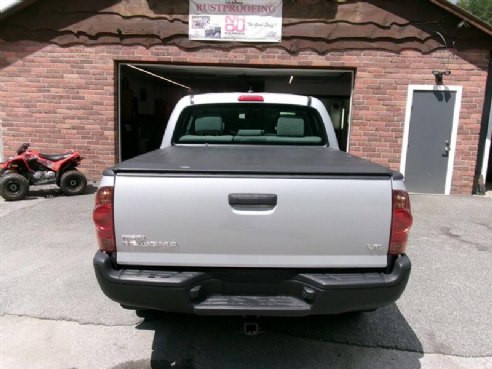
465	15
9	7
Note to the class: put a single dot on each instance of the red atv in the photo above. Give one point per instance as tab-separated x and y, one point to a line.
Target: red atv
30	167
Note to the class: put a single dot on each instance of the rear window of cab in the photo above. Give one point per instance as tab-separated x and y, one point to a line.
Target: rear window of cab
250	123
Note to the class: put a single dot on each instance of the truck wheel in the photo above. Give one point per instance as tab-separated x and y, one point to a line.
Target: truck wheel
13	187
73	182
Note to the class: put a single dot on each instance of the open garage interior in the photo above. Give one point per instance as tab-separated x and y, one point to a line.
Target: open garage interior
148	93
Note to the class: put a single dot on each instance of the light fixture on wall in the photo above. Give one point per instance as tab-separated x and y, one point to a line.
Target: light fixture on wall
439	75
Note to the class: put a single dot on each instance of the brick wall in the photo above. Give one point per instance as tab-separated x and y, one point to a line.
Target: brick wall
64	97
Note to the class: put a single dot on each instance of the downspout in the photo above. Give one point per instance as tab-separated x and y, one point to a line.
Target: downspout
478	179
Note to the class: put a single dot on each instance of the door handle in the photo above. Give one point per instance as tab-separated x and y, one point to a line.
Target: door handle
260	200
447	149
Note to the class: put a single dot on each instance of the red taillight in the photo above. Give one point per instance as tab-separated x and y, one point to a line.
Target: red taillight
103	219
401	223
250	98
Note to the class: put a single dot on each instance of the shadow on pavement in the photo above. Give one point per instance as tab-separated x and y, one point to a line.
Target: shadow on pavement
187	341
46	192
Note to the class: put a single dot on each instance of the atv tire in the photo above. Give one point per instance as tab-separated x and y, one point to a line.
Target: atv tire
13	187
73	182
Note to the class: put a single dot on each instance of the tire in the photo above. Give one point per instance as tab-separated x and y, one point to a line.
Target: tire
73	182
13	187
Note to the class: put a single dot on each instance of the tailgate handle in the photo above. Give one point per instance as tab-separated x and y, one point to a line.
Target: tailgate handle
253	199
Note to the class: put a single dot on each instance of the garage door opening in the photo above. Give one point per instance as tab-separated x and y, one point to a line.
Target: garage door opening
147	93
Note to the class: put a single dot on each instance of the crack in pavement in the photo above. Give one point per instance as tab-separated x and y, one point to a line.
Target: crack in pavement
5	210
389	348
449	232
60	319
353	344
344	343
383	347
393	348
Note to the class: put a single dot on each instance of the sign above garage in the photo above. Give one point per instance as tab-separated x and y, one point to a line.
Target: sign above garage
232	20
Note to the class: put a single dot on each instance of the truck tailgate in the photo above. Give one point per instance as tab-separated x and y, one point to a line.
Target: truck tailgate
323	221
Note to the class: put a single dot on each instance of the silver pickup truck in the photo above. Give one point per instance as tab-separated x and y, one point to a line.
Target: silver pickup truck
249	208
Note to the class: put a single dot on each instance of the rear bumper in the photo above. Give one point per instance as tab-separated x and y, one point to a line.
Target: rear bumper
258	292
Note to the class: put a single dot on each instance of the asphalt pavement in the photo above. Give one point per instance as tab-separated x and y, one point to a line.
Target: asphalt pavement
53	314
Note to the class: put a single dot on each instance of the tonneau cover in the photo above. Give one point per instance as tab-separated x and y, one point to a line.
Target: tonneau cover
275	160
